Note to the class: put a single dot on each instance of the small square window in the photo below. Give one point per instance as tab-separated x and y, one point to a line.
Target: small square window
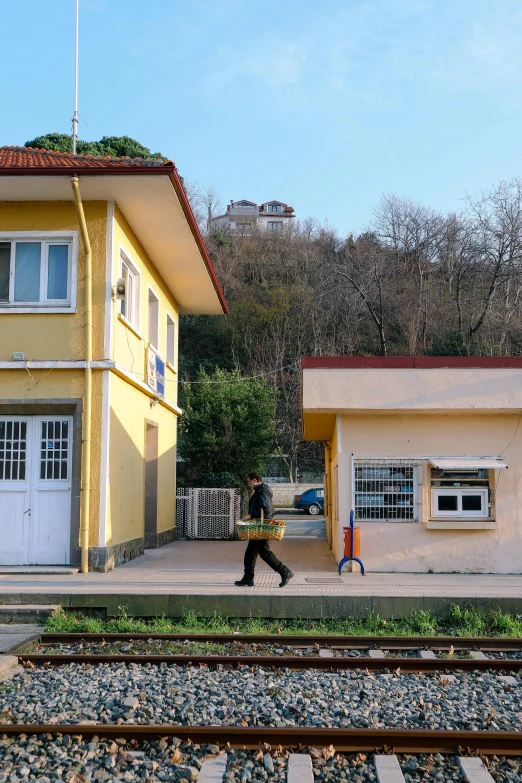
447	503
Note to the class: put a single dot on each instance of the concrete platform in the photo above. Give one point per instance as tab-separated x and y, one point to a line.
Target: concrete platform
12	637
198	576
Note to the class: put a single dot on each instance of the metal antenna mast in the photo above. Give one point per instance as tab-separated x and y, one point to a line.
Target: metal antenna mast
75	115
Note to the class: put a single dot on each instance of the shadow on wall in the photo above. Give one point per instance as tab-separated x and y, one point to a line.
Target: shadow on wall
129	474
403	548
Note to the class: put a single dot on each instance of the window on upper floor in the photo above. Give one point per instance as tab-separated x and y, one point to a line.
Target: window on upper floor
36	272
130	302
171	340
275	208
153	320
275	225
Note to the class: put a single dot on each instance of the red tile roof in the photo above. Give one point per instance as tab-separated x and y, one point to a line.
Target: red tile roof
27	161
27	157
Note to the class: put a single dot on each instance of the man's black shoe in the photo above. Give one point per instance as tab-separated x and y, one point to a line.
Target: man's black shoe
286	575
244	582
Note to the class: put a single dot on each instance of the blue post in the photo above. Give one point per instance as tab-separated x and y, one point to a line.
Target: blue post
352	547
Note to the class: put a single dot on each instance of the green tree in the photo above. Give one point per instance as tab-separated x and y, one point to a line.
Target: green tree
113	146
227	427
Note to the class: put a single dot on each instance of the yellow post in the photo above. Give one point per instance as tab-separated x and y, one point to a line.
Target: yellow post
328	491
87	409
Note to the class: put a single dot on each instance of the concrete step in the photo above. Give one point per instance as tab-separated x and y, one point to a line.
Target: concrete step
56	570
24	614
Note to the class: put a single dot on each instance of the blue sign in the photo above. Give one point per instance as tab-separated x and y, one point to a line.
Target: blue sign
160	376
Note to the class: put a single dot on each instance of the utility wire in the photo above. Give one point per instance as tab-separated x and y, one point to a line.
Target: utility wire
248	378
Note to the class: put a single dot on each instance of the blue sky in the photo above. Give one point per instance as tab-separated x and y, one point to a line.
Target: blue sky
322	105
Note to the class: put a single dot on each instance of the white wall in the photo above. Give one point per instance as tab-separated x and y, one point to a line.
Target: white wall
411	546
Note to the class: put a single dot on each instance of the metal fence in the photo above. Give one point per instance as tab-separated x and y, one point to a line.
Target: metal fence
207	513
386	489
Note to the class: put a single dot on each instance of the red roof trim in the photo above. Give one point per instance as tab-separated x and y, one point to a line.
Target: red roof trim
79	165
409	362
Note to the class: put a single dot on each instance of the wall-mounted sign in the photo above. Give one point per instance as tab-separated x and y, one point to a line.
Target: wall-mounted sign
155	372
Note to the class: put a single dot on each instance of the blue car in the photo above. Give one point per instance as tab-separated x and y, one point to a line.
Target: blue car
311	501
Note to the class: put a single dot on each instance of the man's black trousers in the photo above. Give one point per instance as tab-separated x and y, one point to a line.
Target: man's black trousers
262	548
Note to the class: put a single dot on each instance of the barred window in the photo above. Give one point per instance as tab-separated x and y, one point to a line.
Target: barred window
385	490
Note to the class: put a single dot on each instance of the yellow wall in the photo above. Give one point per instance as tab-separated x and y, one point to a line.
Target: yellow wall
62	384
411	546
48	336
57	335
129	411
129	350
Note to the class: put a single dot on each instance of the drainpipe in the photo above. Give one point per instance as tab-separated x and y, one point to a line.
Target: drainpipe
329	505
87	412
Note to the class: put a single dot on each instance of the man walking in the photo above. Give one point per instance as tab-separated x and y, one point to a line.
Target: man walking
261	499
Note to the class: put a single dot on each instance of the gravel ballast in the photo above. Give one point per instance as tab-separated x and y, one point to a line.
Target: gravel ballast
59	757
144	694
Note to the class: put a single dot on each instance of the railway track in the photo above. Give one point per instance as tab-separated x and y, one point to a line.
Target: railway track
180	753
383	652
346	740
311	748
302	640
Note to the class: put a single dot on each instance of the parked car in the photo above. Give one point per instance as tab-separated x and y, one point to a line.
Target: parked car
311	501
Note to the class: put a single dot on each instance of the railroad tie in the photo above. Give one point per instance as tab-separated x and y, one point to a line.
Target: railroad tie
326	654
299	768
213	770
478	655
388	769
474	770
426	654
376	654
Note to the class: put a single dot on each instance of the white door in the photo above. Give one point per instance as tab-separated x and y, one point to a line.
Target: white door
35	490
15	489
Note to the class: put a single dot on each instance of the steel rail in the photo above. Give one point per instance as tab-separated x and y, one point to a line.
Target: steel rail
507	743
413	665
507	644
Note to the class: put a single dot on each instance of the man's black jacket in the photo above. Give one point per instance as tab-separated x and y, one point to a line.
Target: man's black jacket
261	499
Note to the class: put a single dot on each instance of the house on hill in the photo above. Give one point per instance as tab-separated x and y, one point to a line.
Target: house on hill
98	258
245	217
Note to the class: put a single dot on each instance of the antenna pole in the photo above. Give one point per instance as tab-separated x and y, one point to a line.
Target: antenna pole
75	115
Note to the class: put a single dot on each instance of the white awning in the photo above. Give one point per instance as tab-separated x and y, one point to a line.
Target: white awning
468	463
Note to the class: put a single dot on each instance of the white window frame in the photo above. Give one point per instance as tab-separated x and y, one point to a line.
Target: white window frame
153	299
133	287
46	238
460	493
273	223
170	350
274	209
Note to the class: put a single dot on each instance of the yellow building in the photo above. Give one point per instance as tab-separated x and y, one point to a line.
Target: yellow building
427	454
98	258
